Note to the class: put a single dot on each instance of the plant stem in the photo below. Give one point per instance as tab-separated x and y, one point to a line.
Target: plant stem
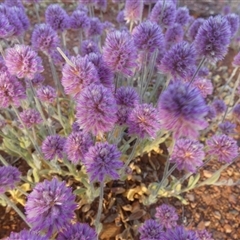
36	8
13	205
196	72
97	222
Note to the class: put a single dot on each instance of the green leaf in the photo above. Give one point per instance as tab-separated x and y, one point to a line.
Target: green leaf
193	181
36	175
80	191
214	178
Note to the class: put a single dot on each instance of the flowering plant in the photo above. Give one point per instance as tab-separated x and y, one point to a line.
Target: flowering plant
127	89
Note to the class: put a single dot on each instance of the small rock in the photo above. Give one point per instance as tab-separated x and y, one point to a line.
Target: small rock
230	172
227	228
190	197
207	223
207	173
232	199
193	205
217	215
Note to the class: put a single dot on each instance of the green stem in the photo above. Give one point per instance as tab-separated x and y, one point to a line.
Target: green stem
196	72
36	8
100	205
13	205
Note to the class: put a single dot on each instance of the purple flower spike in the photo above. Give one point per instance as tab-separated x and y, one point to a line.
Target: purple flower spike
53	146
77	145
23	62
193	30
47	94
227	127
95	28
148	36
233	20
179	60
168	16
204	85
182	16
14	3
81	231
223	147
188	155
89	46
236	60
26	234
9	176
79	20
180	233
36	81
151	230
213	38
22	17
50	206
101	5
219	106
103	160
133	10
121	17
204	235
174	34
236	111
182	110
6	29
11	90
30	117
144	121
57	17
75	79
96	109
167	215
120	53
44	38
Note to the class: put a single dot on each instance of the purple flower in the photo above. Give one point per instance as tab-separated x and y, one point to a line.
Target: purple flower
44	38
89	46
76	78
236	60
30	117
204	85
102	160
47	94
23	62
148	36
14	3
50	206
96	109
151	230
22	17
226	9
120	53
53	146
219	106
127	98
179	60
133	10
25	234
236	112
213	38
121	17
6	29
76	127
143	121
233	21
211	113
204	235
174	34
182	110
80	231
57	57
11	90
79	20
77	145
168	15
105	75
223	147
9	177
57	17
36	81
182	16
194	28
101	5
180	233
203	72
227	127
167	216
95	28
187	155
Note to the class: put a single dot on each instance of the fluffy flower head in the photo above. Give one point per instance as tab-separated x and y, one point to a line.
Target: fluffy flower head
79	20
223	147
133	10
30	117
46	94
180	233
25	234
119	52
95	27
23	62
50	206
167	215
150	230
227	127
213	38
103	160
233	21
187	154
81	231
219	106
9	176
96	109
182	16
236	60
174	34
193	29
204	85
182	110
